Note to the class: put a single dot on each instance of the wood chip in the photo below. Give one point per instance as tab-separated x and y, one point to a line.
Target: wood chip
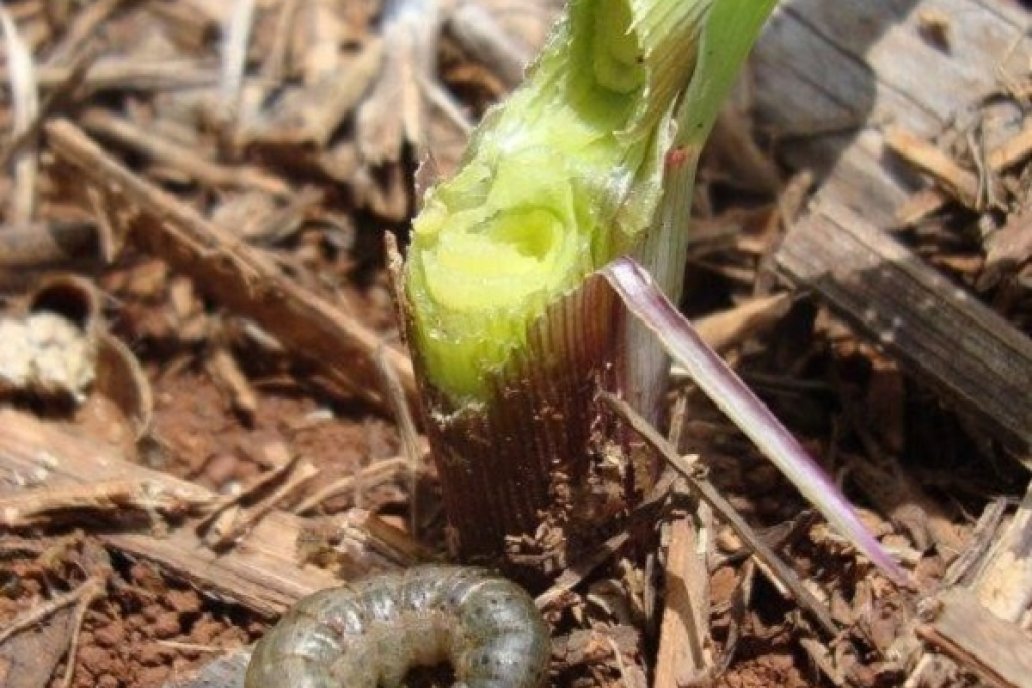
183	158
1008	249
963	629
25	103
972	356
814	69
725	329
1013	151
38	506
930	159
395	113
476	31
685	655
240	277
262	573
779	570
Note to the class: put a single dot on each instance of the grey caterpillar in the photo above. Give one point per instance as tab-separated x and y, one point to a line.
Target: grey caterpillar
371	633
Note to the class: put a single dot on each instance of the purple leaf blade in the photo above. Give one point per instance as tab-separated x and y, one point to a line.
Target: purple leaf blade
733	397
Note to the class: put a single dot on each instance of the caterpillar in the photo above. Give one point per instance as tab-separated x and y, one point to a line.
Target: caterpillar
371	633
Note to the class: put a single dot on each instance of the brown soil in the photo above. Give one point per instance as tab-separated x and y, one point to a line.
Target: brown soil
866	421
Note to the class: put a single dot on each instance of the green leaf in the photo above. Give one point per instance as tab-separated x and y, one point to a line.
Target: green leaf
732	28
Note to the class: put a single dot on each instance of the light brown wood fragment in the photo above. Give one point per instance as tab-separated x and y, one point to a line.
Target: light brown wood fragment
395	394
820	654
370	476
226	373
573	575
262	572
87	591
108	74
84	25
1012	151
921	205
981	539
1004	583
991	586
274	66
60	93
725	329
972	636
930	159
386	195
24	98
185	159
279	224
242	278
227	520
792	198
90	591
1007	249
338	95
32	506
230	531
214	11
183	24
684	657
310	115
31	659
235	38
972	356
320	29
477	32
391	543
394	113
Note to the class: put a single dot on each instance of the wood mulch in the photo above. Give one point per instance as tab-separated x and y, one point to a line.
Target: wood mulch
203	394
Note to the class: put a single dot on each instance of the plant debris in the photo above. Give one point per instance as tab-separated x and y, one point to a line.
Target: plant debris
197	194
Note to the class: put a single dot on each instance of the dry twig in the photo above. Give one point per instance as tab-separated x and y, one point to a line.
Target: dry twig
228	522
60	91
31	507
572	575
706	491
373	474
82	597
25	103
86	22
107	125
110	73
409	435
224	370
685	649
91	590
235	36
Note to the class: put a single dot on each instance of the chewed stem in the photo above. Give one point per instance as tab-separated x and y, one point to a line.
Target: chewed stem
558	180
